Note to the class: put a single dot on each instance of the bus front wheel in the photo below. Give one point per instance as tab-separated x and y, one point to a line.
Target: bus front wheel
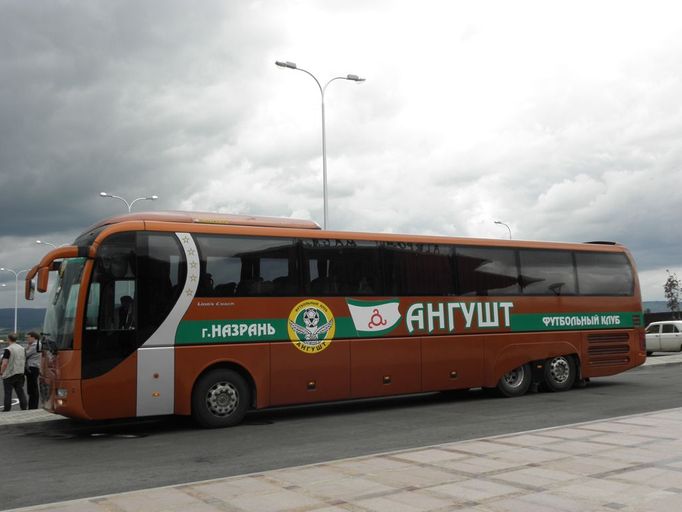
220	398
515	382
560	373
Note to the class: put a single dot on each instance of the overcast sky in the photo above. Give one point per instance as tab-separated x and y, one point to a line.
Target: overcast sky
562	119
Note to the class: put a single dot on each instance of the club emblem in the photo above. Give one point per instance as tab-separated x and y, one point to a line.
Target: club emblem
311	326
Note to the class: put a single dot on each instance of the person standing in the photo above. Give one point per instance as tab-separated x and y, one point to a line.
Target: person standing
12	370
32	369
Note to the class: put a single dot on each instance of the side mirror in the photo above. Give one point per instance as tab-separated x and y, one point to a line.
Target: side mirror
43	278
29	290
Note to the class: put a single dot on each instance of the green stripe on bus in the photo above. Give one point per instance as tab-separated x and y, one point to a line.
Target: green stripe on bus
192	332
575	321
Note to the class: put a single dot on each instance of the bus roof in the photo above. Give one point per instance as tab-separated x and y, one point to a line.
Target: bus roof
270	225
210	218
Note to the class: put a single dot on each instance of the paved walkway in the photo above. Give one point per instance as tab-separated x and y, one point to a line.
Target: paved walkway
631	463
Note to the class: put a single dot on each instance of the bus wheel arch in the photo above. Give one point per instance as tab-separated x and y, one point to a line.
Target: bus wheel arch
561	372
221	396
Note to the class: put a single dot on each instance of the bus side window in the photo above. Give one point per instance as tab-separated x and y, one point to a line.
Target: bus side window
113	278
247	266
547	272
342	267
486	271
161	276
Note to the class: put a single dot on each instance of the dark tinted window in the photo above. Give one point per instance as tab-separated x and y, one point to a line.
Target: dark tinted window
161	276
547	273
247	267
485	271
418	269
341	267
604	274
110	333
653	329
669	328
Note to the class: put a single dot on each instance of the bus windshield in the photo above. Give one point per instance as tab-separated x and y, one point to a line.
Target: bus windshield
61	309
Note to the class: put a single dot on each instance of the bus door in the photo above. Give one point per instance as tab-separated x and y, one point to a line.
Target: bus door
128	341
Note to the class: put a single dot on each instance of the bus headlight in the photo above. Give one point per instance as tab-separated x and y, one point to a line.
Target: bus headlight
62	392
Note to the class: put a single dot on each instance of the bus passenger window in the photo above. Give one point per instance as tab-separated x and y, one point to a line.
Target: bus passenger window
547	272
162	273
604	274
342	267
487	271
247	266
418	269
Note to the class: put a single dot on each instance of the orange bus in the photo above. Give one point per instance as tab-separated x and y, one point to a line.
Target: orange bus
211	315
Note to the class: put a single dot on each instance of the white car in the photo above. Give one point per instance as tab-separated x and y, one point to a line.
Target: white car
664	337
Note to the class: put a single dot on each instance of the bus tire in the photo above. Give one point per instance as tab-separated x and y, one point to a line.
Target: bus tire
515	382
220	398
560	373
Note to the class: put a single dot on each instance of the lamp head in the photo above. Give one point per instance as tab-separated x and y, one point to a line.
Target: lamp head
104	194
287	64
355	78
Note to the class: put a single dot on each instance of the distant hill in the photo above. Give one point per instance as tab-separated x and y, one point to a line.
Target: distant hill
655	306
27	319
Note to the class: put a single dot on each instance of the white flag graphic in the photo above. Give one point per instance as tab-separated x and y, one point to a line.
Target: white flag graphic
374	317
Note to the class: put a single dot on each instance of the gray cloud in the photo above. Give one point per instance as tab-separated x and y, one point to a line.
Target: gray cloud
565	128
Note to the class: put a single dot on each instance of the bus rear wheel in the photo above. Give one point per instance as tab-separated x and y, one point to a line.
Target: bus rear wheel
220	398
515	382
560	373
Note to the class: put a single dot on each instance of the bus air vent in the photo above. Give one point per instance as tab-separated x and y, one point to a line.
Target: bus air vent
608	349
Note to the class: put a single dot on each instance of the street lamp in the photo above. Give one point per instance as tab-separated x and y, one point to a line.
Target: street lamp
16	290
352	78
503	224
130	205
44	242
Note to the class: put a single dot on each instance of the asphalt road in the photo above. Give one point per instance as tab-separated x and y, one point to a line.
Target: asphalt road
62	459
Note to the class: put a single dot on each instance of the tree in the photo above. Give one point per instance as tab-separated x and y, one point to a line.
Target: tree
672	293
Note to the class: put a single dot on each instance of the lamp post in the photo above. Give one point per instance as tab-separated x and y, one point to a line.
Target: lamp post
352	78
130	204
16	290
503	224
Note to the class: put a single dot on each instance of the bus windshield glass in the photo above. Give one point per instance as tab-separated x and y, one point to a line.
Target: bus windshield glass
61	309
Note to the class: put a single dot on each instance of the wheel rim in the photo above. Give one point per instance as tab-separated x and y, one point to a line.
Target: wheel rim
559	370
514	378
222	399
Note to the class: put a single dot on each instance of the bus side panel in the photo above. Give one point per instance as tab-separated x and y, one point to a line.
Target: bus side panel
191	361
112	395
504	352
385	367
452	362
299	377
